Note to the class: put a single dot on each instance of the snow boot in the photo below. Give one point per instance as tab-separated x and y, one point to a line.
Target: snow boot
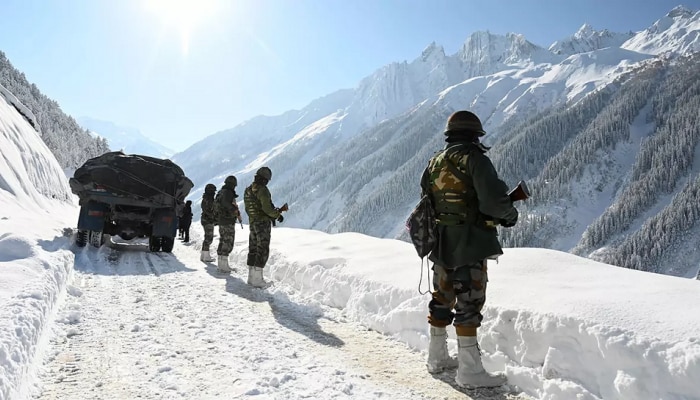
255	277
438	357
223	265
471	373
206	257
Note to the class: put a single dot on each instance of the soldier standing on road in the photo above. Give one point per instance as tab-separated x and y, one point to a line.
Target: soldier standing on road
208	220
228	214
186	221
469	200
261	215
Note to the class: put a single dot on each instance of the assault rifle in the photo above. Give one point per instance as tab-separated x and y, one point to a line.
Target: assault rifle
282	209
518	193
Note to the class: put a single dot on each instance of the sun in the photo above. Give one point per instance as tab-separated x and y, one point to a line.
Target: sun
182	15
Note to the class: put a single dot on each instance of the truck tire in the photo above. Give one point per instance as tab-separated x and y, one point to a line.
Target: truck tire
154	243
81	238
168	244
96	238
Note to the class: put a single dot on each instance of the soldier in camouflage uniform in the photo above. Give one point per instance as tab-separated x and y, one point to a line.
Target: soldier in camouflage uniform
470	201
227	214
208	220
261	214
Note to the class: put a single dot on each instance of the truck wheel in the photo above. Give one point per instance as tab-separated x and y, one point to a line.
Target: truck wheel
96	238
154	243
168	244
81	238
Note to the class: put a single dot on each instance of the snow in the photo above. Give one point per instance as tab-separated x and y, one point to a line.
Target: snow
121	322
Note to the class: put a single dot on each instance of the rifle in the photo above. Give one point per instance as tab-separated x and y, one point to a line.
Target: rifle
238	214
518	193
282	209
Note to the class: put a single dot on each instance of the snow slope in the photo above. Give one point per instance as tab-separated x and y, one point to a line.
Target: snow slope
344	320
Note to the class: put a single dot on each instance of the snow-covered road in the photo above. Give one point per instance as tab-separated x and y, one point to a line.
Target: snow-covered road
145	325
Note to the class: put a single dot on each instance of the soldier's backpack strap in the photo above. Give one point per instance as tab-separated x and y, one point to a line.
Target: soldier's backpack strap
456	171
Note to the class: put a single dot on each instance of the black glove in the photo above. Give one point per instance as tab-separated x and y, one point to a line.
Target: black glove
508	224
280	219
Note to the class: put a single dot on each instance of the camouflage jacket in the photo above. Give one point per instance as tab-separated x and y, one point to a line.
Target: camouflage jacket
208	214
465	202
258	203
228	213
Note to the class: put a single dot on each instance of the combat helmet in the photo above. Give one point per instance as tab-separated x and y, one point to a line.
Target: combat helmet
464	122
264	172
231	181
210	188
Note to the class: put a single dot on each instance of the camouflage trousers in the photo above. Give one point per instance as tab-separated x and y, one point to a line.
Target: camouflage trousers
208	236
463	290
227	234
259	243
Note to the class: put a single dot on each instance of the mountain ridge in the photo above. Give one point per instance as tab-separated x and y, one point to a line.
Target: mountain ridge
354	166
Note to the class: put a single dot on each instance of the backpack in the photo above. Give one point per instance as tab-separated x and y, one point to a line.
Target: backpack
422	223
422	226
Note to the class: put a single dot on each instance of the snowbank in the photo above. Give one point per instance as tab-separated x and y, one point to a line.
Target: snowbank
561	326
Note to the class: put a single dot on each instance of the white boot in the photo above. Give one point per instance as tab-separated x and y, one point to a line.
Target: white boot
438	357
255	277
471	373
251	273
223	265
205	257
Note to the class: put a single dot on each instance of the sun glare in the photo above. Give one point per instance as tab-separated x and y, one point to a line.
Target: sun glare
182	15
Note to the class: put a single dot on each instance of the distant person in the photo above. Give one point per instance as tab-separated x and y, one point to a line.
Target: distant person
469	201
208	220
186	221
227	214
261	215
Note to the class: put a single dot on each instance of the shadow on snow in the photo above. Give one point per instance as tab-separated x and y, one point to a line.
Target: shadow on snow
293	316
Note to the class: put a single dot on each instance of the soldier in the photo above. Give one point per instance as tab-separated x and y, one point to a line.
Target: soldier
261	215
469	201
227	214
208	220
186	221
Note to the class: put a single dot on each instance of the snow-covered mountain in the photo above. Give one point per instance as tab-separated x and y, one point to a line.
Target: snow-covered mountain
69	143
588	39
128	140
29	173
351	161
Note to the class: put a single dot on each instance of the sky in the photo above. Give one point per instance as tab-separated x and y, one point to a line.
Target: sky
179	73
343	319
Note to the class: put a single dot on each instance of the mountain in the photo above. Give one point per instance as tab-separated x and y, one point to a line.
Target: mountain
587	114
69	143
29	173
587	39
128	140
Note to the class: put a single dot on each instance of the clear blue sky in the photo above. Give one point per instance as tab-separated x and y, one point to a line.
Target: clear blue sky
181	75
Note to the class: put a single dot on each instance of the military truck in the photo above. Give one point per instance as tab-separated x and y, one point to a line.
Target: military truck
132	196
